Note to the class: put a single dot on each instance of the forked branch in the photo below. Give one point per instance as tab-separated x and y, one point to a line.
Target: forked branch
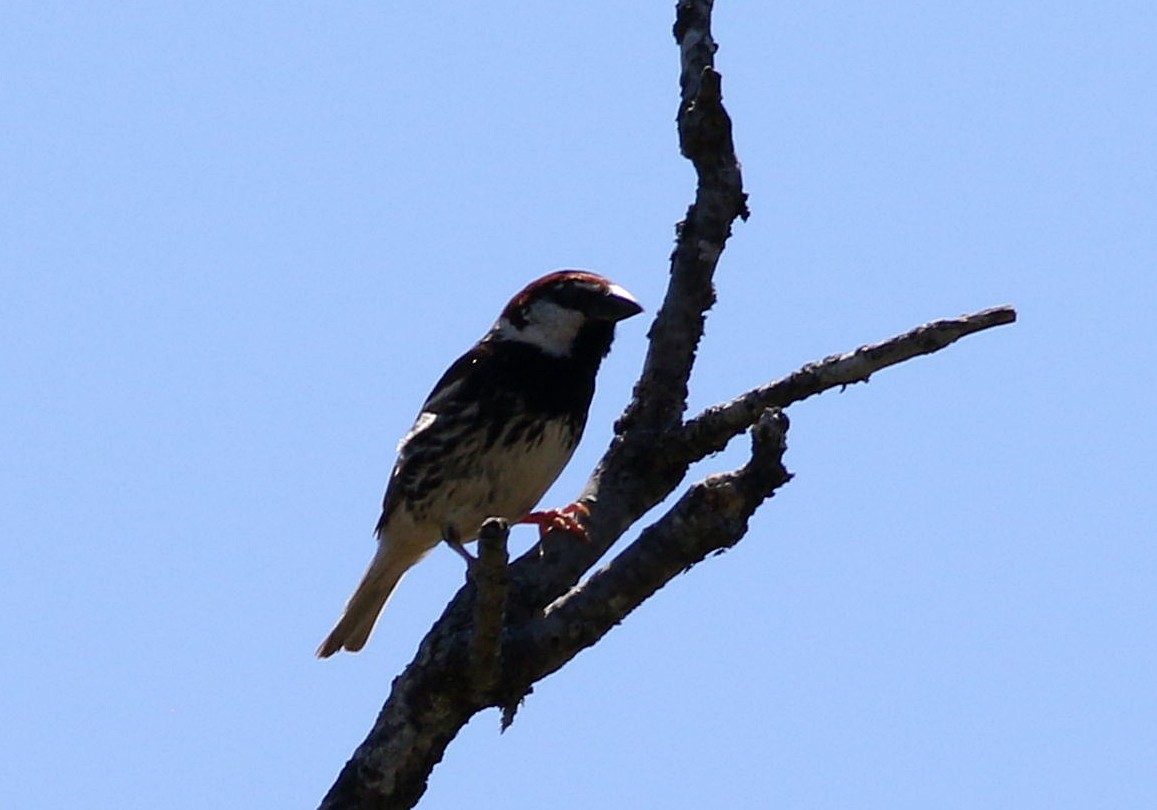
509	627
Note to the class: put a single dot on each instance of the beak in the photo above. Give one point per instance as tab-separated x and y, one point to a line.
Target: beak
616	305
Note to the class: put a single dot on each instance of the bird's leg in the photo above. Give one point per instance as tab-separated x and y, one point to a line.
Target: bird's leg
451	538
569	519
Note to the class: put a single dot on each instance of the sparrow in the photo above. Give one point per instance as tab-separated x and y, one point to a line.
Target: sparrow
493	435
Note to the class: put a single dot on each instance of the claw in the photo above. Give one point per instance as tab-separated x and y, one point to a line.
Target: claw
569	519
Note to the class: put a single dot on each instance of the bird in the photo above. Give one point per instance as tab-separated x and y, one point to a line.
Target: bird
493	435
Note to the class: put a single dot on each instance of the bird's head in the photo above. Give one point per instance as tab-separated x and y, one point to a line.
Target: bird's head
559	310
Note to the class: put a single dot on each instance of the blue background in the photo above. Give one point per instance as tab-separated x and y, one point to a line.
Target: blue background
239	242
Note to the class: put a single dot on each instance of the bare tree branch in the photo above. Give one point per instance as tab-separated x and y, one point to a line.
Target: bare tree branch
710	431
704	139
549	620
711	516
509	627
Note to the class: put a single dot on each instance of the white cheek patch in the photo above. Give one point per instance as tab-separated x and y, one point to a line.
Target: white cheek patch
549	327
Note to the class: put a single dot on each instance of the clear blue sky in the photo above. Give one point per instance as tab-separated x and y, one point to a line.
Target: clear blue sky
239	242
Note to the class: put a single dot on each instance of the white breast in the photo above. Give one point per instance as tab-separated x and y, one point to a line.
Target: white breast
508	481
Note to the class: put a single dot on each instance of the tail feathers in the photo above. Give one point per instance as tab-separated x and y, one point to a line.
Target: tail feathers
361	612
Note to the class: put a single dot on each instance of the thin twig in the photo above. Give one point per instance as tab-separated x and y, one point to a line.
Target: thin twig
710	431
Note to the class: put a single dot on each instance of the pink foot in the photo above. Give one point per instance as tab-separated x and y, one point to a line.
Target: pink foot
569	519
